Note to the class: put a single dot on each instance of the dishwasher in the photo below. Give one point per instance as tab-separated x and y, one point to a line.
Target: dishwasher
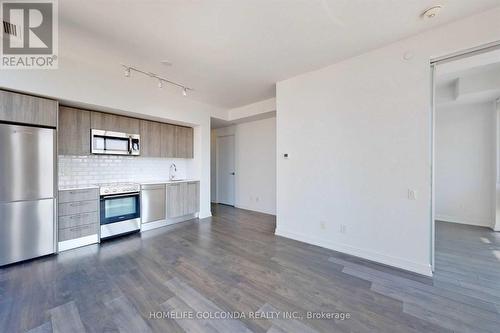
153	202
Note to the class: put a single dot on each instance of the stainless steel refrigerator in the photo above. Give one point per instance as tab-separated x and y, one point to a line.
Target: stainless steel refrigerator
27	192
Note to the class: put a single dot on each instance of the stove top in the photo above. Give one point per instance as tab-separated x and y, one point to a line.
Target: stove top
118	188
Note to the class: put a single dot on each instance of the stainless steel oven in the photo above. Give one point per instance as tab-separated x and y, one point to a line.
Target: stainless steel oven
120	209
115	143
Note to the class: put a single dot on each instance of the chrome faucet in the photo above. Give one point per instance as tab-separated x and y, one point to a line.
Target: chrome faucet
171	175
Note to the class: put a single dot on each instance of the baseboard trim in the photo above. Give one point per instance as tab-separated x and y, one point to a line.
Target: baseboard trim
163	223
78	242
153	225
358	252
454	219
204	215
253	209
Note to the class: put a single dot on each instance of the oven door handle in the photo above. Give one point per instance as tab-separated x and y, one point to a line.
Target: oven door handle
130	145
131	194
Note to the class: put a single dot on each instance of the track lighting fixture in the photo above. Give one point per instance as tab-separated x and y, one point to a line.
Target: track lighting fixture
161	80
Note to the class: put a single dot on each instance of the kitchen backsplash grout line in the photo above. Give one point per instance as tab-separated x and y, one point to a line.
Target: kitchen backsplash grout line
94	169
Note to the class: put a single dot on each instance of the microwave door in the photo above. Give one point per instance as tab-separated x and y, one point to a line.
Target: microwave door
115	145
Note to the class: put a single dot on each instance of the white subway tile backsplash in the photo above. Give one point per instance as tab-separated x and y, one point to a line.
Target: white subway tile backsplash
95	169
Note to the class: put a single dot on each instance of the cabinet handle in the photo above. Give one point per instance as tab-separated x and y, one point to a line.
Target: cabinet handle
79	192
79	216
81	203
79	227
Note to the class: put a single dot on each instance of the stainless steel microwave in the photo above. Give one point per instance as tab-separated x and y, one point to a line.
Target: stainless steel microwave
115	143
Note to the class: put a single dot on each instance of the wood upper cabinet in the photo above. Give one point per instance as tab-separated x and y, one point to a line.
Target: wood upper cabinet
177	141
115	123
168	140
184	142
74	131
151	139
157	139
25	109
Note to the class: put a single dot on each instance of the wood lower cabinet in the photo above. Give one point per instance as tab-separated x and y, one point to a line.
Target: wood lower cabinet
151	138
78	217
115	123
192	199
175	200
26	109
73	131
183	199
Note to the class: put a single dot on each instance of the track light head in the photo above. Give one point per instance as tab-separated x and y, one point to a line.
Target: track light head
160	84
127	71
184	92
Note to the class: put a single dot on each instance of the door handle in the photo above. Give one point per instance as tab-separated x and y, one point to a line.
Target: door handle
130	145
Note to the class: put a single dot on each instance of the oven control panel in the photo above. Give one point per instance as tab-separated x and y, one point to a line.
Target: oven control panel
118	188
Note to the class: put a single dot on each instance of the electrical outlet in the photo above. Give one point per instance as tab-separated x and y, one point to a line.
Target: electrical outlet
322	225
343	229
412	194
257	199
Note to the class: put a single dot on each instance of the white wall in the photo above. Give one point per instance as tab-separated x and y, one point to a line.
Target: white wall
358	135
90	74
255	144
465	163
255	164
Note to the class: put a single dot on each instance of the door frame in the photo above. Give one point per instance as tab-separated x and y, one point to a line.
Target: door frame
217	164
433	63
433	165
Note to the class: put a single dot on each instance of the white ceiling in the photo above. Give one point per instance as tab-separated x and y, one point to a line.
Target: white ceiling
233	51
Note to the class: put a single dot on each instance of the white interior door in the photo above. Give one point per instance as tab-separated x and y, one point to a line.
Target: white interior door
225	170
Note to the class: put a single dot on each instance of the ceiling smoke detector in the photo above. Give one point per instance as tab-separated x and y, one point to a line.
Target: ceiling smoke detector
166	63
432	12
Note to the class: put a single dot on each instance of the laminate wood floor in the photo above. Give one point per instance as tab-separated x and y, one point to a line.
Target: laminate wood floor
232	264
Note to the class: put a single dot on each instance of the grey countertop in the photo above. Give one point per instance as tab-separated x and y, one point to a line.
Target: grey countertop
85	187
77	187
169	181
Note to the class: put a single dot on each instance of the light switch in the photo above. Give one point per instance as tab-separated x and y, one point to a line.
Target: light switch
412	194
